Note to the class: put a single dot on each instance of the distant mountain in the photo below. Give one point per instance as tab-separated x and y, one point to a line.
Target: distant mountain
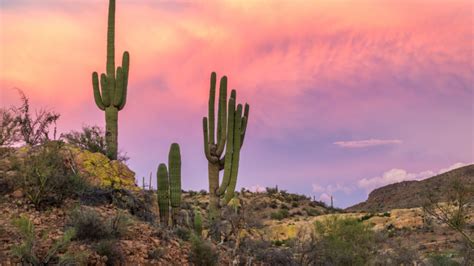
411	194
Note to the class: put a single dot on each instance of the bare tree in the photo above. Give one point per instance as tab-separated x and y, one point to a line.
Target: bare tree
453	212
8	127
34	131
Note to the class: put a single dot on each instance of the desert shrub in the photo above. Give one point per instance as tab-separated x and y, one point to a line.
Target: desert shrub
273	204
271	191
27	250
338	241
396	255
91	138
45	176
203	192
312	212
192	193
139	205
202	252
183	233
284	206
264	252
90	226
34	131
156	253
453	212
280	214
111	250
294	204
442	260
8	128
366	217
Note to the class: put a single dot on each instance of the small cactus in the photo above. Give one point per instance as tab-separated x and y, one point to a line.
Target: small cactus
197	222
169	186
163	194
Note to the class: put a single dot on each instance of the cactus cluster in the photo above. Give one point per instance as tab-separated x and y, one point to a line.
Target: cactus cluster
223	139
223	153
169	186
111	95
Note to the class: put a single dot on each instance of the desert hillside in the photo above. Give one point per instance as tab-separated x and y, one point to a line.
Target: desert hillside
108	220
412	194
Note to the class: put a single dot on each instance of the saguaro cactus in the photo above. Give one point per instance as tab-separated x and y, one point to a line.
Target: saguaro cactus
174	163
163	194
197	223
112	95
231	128
169	186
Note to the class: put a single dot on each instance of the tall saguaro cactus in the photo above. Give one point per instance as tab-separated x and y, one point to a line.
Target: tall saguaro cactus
112	95
223	153
169	186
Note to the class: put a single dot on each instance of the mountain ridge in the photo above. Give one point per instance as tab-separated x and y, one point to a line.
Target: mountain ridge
412	194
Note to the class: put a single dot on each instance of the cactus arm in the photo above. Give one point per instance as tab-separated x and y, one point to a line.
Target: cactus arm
245	120
163	193
104	86
212	99
230	147
95	87
125	67
206	139
111	40
235	156
222	122
210	157
118	94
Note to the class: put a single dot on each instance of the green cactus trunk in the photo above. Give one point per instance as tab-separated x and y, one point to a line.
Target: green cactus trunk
110	94
163	194
231	128
213	187
174	163
111	131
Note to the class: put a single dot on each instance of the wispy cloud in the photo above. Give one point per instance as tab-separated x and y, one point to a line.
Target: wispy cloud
367	143
398	175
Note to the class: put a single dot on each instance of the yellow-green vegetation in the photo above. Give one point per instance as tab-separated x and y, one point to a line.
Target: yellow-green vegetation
101	171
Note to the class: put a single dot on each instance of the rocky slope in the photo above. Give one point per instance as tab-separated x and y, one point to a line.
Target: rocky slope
412	194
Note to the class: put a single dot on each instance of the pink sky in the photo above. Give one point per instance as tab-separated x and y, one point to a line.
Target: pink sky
340	91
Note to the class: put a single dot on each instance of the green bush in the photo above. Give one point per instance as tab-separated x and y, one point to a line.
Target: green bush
280	214
344	241
111	250
202	252
312	212
91	138
183	233
45	176
442	260
90	226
